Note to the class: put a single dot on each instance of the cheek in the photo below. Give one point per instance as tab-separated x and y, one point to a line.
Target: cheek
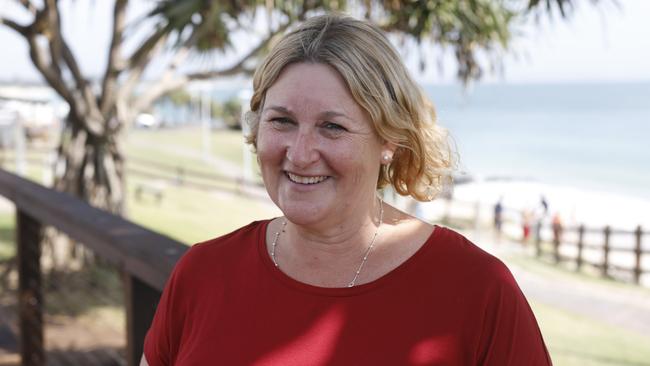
269	147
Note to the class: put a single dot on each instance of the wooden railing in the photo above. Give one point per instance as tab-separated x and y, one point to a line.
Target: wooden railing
605	247
170	173
144	257
569	244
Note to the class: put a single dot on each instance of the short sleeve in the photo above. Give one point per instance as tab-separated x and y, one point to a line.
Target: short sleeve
161	343
511	335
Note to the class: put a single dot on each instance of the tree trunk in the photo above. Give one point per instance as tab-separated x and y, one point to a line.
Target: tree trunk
91	167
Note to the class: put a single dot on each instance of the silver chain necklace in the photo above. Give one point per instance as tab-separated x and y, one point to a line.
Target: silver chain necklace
365	255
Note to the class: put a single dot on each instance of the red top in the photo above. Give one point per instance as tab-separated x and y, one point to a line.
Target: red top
451	303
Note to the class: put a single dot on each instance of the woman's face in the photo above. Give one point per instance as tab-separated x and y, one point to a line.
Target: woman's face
317	149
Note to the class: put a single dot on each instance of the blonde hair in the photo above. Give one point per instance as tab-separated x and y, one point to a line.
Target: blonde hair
380	83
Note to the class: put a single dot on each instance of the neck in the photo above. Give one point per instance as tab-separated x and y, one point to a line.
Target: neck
335	253
339	238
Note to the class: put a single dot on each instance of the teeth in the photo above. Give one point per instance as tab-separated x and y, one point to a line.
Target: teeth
306	180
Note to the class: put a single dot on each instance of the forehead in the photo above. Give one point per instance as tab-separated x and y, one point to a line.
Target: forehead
315	87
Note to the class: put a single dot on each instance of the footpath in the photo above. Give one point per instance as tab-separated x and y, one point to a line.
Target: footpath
623	306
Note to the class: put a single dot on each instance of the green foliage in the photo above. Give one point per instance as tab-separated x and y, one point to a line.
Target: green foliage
465	25
180	97
469	27
232	113
200	23
7	235
228	111
563	6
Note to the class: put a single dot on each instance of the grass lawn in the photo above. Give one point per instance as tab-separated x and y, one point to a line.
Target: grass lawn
566	272
225	144
190	215
7	235
575	340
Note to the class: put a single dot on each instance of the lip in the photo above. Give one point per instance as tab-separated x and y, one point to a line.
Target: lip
310	180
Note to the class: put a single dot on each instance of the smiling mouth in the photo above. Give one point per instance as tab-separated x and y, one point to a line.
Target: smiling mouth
306	180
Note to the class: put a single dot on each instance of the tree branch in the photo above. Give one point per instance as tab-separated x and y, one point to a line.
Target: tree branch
240	66
85	100
114	57
167	80
140	59
55	80
21	29
29	6
59	48
141	55
51	19
140	62
168	83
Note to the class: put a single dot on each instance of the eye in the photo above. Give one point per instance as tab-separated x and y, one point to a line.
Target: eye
281	122
333	127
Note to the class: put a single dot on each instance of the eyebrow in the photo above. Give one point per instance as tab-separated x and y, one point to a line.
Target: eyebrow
326	114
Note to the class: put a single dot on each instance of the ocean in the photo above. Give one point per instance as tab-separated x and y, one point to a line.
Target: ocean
586	136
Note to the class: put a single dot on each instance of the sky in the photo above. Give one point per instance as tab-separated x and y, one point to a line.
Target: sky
603	43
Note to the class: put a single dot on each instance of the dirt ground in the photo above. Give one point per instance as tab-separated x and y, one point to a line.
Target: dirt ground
92	334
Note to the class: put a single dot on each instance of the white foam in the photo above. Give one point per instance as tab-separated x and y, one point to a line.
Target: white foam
575	206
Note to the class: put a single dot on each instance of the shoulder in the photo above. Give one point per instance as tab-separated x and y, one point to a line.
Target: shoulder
214	255
232	241
468	261
495	301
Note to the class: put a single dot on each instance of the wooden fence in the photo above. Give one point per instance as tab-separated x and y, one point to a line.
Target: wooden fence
145	259
606	248
565	244
158	172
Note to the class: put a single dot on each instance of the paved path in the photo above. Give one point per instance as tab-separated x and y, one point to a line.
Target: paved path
619	305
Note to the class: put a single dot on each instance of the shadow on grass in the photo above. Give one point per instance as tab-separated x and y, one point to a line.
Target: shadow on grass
104	356
76	292
73	293
7	241
600	359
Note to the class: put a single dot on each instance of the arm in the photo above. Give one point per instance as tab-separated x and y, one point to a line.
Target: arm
511	334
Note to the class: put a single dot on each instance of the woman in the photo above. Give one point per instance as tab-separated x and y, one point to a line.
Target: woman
342	278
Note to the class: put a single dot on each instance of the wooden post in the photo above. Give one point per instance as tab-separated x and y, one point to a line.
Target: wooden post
638	253
30	297
581	235
606	248
141	302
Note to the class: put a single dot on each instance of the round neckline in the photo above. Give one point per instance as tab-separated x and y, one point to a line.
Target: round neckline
386	279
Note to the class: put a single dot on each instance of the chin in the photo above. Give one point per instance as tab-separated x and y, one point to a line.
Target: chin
306	214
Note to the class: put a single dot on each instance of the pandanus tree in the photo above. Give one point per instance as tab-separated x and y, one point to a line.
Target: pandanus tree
90	163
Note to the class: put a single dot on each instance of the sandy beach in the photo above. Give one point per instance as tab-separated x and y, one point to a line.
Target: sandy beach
594	209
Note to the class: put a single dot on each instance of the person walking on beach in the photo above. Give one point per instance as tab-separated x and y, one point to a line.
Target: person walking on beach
526	218
557	228
498	218
544	203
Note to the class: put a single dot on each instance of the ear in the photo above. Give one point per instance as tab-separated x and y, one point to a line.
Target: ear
387	152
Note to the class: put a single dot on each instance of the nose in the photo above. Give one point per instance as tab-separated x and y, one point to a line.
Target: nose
302	150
